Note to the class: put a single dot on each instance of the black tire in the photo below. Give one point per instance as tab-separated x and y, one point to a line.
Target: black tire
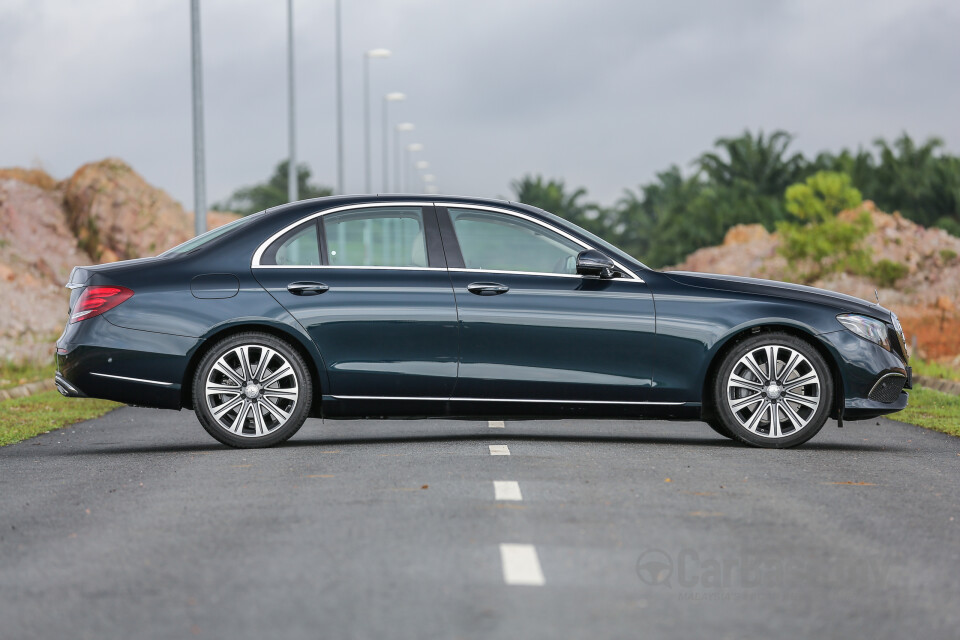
796	422
291	394
718	426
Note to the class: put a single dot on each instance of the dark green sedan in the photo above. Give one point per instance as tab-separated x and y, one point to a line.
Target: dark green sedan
426	306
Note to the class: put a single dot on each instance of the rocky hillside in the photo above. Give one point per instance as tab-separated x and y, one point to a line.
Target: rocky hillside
926	298
104	212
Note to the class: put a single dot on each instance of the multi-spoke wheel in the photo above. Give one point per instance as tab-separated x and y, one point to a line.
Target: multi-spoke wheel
773	390
252	390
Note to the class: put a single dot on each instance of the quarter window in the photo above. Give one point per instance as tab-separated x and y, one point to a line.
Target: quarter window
299	247
499	242
375	237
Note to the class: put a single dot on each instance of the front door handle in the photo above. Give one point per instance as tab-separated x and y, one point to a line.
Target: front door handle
307	288
487	288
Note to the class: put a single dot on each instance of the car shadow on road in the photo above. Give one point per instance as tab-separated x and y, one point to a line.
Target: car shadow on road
698	442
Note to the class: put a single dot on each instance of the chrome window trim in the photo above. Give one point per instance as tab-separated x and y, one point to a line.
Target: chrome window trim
531	400
258	254
156	382
255	263
340	266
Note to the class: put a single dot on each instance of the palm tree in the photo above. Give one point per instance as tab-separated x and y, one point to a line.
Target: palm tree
760	161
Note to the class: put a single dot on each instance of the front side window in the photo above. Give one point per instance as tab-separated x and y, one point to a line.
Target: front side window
375	237
500	242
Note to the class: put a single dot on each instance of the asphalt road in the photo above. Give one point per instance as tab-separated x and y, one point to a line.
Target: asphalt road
138	525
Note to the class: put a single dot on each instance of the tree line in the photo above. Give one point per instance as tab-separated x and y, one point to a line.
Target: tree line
741	180
744	180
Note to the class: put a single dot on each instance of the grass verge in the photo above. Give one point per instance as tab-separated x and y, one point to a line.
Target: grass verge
933	410
22	418
13	375
934	370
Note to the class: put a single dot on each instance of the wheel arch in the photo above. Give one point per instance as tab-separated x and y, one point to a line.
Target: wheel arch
298	342
724	346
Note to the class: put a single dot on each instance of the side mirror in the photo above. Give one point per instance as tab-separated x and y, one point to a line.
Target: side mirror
594	264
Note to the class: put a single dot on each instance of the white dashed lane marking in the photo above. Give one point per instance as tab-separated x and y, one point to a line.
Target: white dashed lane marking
496	424
506	490
499	450
521	566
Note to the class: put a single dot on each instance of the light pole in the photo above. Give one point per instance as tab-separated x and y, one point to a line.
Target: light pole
292	195
403	126
339	102
199	179
395	96
372	53
412	148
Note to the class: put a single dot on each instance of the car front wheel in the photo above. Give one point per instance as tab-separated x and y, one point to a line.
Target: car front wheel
773	390
252	390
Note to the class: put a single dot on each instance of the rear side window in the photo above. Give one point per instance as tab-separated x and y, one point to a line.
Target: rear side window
375	237
299	247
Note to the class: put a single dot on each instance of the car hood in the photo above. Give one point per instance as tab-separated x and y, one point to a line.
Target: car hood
840	301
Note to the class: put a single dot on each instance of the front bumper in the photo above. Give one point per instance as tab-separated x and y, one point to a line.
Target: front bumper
864	367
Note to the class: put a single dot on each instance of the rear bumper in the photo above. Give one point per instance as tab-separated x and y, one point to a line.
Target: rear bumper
97	359
65	388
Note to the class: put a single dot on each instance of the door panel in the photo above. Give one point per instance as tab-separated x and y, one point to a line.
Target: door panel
555	338
387	327
530	327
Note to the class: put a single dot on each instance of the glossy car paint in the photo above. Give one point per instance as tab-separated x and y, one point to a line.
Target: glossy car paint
417	342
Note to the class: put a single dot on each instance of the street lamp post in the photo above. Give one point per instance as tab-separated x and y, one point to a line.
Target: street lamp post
372	53
395	96
403	126
292	195
199	178
339	101
412	148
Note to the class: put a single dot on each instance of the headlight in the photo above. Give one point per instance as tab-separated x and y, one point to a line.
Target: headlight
867	328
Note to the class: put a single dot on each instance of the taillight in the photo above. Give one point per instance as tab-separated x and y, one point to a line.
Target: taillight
96	300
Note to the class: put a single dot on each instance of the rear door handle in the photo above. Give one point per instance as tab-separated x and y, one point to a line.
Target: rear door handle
307	288
487	288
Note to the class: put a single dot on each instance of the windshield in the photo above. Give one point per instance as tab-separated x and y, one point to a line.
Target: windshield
213	234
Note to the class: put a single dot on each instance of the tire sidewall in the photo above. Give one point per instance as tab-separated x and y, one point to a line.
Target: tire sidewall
816	360
304	382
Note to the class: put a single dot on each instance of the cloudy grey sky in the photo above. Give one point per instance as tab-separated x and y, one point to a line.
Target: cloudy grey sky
603	93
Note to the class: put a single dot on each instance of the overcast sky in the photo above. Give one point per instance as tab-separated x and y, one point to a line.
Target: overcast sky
602	93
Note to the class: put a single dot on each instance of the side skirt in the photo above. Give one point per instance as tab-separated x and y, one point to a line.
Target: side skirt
470	409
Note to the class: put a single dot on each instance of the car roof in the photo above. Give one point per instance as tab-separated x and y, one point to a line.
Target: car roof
330	201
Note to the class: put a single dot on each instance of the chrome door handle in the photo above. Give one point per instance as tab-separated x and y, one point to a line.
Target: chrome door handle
487	288
307	288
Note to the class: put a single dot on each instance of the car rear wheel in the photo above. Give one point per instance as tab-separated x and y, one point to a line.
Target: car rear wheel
252	390
773	390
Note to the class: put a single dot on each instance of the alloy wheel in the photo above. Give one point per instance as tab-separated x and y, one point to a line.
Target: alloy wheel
773	391
251	390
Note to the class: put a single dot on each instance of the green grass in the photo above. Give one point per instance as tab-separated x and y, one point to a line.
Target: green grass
14	375
934	370
933	410
22	418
